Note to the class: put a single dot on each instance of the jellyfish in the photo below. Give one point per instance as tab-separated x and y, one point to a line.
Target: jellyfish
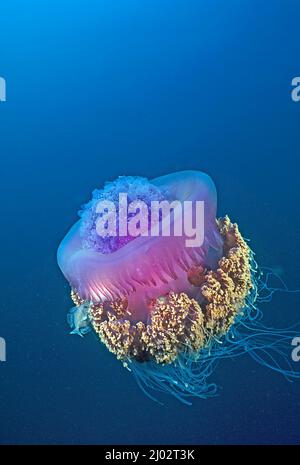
169	294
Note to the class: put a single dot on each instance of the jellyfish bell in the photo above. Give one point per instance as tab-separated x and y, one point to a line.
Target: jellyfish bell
146	267
168	306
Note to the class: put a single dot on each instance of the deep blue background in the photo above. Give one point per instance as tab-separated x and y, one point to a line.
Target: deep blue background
98	89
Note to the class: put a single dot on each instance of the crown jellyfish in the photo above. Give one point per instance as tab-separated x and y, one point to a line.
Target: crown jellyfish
166	310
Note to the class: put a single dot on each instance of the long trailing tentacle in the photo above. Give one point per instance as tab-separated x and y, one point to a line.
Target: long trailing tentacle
187	377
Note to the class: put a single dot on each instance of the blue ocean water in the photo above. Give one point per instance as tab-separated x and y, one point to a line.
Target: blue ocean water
98	89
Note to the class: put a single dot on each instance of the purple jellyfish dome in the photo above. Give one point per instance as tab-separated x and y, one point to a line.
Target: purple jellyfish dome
144	267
